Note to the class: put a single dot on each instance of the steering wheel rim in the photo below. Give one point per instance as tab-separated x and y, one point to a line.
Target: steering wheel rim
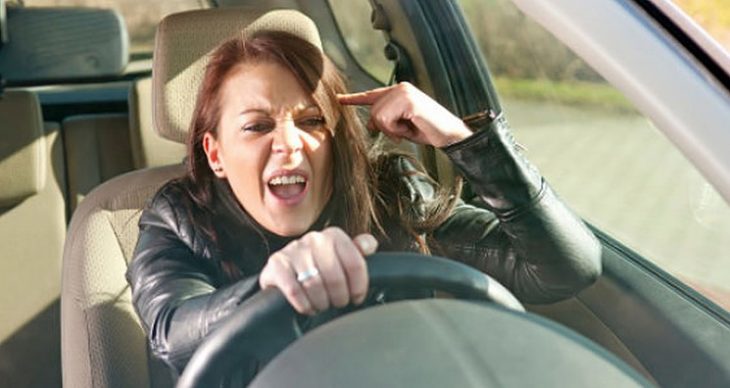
267	315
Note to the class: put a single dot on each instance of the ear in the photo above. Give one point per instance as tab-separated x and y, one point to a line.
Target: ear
212	152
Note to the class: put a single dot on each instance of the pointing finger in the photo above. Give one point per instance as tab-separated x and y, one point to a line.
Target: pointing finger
367	97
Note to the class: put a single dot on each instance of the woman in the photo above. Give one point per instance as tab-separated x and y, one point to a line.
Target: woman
283	190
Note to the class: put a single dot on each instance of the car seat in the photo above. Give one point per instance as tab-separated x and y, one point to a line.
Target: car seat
102	341
32	229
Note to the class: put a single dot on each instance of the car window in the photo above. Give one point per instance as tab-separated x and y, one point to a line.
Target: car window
353	20
141	17
712	15
607	161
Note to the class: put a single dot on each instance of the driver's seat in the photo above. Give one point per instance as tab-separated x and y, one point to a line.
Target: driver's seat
102	341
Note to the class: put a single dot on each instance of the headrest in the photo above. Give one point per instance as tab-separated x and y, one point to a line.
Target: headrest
148	149
22	147
53	44
182	47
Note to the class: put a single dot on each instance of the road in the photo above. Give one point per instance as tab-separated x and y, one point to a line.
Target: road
621	174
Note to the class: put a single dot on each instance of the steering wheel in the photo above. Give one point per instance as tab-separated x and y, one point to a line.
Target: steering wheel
266	324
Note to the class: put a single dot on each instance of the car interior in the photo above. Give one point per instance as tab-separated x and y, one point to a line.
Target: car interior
78	162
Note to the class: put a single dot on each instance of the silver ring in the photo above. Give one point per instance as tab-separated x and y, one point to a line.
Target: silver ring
308	274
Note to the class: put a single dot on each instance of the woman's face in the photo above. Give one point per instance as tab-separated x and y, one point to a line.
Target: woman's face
274	147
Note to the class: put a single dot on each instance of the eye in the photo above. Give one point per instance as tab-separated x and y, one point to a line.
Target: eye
261	126
311	122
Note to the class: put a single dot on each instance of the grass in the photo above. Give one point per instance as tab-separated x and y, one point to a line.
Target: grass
584	94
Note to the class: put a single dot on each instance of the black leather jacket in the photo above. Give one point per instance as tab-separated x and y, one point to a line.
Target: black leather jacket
527	239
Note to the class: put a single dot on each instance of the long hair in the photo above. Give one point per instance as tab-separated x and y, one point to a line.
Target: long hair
363	199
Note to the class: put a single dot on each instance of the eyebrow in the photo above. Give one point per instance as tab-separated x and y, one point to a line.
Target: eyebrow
268	111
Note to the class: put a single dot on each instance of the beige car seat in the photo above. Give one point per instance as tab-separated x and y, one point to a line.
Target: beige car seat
97	149
148	149
32	229
103	344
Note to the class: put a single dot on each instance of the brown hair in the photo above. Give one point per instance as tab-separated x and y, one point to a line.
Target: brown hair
362	174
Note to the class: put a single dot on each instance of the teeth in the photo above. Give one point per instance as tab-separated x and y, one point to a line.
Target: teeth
287	180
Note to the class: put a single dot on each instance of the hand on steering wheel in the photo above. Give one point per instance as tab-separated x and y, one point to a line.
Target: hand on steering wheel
321	270
266	323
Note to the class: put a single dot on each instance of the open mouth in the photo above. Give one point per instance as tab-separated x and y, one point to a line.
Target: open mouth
288	187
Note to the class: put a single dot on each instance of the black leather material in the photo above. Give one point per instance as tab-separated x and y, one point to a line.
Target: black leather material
530	242
505	180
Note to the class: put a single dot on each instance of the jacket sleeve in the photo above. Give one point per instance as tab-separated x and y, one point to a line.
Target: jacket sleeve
174	291
527	239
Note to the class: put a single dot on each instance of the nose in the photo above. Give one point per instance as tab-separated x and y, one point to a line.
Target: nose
287	138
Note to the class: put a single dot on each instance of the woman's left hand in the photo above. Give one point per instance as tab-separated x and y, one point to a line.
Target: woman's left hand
402	111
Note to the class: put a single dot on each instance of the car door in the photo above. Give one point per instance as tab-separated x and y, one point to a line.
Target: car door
622	163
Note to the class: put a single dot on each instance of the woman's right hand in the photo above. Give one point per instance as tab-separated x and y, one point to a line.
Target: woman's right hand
320	270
